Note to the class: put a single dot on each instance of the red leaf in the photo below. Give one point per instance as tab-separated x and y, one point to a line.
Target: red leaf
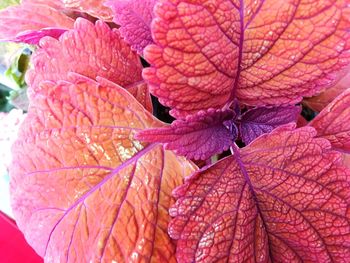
90	50
320	101
135	19
198	137
83	189
258	121
283	198
333	122
262	52
30	22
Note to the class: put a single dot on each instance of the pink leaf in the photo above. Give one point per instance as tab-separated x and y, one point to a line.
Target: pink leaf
30	22
135	19
83	189
56	4
268	52
333	122
199	136
258	121
95	8
90	50
320	101
283	198
9	123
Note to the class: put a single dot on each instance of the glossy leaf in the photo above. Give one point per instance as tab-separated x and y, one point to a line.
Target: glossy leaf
268	52
83	189
95	8
333	122
30	22
283	198
320	101
141	92
258	121
90	50
135	19
198	137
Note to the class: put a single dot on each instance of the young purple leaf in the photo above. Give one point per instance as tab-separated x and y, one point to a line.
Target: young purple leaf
258	121
197	137
134	18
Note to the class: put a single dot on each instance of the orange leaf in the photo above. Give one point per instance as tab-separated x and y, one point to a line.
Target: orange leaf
262	52
92	50
333	122
83	189
320	101
283	198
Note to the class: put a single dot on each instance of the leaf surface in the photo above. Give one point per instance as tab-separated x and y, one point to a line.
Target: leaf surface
262	52
333	122
95	8
319	102
199	136
258	121
30	22
83	189
135	19
283	198
56	4
92	50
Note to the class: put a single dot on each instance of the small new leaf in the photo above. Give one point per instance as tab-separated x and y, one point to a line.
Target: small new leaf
134	18
258	121
199	136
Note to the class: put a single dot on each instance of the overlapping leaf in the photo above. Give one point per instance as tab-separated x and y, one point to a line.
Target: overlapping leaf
95	8
30	22
333	122
93	51
135	19
258	121
320	101
262	52
199	136
283	198
83	189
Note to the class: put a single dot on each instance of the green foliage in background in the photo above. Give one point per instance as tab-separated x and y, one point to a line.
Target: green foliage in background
14	62
6	3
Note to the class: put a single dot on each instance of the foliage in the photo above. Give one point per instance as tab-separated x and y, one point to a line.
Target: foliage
93	171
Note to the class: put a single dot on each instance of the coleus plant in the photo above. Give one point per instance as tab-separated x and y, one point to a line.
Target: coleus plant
96	178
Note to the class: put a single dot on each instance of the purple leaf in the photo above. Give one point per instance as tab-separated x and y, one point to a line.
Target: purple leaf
197	137
258	121
33	36
134	18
